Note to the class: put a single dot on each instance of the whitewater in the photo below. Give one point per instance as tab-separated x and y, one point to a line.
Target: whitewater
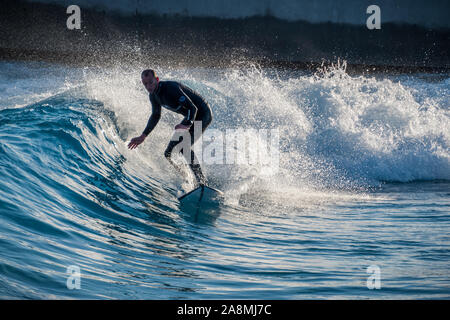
362	183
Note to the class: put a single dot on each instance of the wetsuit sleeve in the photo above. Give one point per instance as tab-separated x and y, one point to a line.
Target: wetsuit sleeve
185	101
154	118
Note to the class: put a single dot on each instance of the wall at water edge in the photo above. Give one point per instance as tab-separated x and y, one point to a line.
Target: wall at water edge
219	32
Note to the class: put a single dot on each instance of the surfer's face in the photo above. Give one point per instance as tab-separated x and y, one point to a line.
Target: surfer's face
150	83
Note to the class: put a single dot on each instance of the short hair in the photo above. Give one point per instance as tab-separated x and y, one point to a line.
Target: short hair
146	72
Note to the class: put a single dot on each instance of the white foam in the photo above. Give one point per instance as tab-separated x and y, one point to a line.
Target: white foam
345	131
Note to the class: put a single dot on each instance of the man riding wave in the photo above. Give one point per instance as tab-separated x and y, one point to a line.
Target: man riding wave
178	98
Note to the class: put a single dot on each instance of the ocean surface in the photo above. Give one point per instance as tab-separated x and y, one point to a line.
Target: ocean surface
357	207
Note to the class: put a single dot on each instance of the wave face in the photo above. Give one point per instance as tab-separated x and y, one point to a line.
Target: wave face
71	193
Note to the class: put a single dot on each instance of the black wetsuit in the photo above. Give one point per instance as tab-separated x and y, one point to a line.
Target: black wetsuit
178	98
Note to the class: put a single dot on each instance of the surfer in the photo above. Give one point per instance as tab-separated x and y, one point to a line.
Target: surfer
178	98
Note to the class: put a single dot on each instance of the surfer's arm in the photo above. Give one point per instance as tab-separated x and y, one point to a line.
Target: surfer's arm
154	118
151	124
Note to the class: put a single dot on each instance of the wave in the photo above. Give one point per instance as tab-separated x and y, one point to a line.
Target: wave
64	154
336	131
72	194
343	131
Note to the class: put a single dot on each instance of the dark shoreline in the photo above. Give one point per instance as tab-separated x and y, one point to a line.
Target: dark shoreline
38	32
77	61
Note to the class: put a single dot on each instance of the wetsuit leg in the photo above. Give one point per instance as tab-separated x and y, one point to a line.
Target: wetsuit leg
205	119
193	163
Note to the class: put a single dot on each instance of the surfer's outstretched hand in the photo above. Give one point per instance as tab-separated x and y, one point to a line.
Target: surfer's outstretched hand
136	141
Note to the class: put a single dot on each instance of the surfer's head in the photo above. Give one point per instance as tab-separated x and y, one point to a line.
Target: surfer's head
149	80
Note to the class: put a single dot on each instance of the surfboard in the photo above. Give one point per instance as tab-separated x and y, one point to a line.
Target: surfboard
201	195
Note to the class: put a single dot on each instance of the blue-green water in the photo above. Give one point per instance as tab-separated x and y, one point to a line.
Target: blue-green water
363	180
